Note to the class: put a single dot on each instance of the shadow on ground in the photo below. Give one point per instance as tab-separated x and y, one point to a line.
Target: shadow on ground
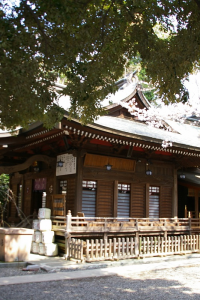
111	287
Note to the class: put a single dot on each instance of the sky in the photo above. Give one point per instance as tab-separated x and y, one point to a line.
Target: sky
193	86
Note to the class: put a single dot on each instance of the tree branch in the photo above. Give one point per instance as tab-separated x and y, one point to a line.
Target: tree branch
197	3
41	29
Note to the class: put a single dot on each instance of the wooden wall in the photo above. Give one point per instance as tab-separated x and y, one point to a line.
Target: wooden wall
166	201
27	197
138	201
70	196
107	181
162	177
50	182
104	207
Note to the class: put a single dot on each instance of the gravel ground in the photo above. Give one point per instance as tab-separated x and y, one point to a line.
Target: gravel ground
181	283
17	271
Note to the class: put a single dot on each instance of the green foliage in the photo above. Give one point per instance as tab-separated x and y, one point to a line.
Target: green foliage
88	42
134	65
4	186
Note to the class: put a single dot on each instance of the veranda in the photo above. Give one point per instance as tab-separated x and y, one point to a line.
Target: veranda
91	239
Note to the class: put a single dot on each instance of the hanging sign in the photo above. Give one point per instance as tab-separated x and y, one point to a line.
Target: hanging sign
40	184
69	165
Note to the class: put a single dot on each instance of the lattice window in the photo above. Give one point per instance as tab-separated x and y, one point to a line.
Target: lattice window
89	184
123	203
63	187
154	202
89	198
124	188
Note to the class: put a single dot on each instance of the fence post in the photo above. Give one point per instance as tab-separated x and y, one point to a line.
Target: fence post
162	245
132	245
185	243
68	234
151	244
114	248
97	247
137	244
169	244
148	245
181	246
110	248
123	247
92	249
105	248
87	250
119	247
127	247
190	226
155	245
199	242
194	241
68	221
101	249
159	246
81	250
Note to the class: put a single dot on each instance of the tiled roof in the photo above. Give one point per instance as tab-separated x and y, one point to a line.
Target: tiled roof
187	136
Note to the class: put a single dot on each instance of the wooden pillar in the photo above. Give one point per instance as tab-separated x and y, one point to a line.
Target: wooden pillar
196	204
79	179
115	199
175	196
68	234
147	200
186	212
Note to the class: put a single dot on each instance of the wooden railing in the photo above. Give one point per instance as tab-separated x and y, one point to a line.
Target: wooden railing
88	227
123	248
194	223
72	224
59	223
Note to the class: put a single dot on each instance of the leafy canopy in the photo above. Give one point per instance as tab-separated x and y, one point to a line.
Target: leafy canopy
135	66
89	42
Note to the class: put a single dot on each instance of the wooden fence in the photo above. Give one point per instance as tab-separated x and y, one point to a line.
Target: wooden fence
124	248
70	227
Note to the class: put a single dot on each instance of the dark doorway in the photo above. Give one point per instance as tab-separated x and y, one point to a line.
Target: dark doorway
37	201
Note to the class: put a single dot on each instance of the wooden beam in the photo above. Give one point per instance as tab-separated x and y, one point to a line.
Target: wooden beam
130	151
12	140
79	179
115	199
51	161
196	204
147	200
66	142
175	196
